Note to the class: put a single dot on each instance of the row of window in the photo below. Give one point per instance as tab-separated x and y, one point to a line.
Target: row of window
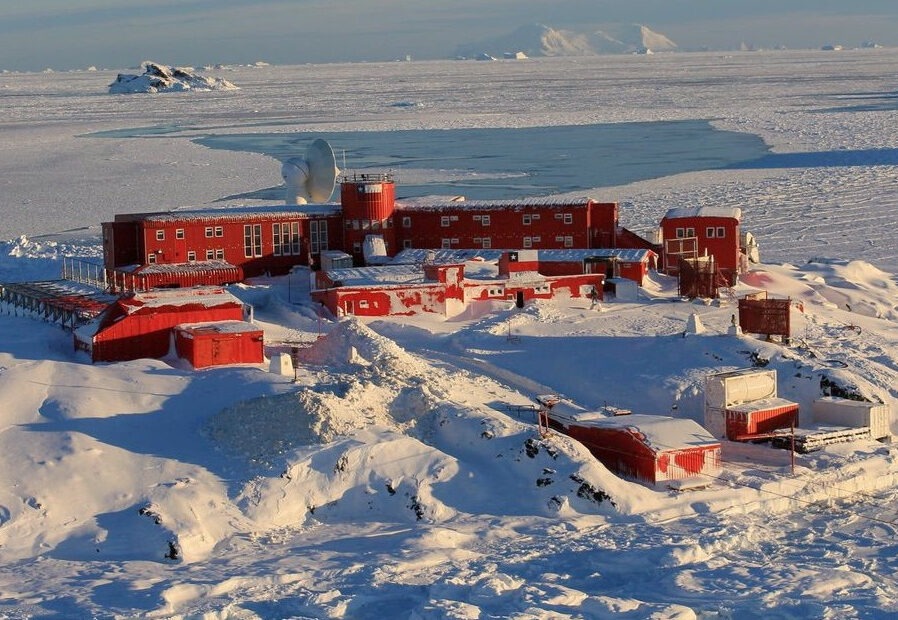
711	232
210	232
373	224
526	219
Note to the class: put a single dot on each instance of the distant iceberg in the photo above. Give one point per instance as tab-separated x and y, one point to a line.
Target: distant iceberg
158	78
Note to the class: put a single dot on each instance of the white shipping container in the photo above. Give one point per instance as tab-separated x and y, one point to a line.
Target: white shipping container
854	414
725	389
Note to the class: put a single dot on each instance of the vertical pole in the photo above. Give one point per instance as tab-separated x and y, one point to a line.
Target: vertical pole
793	445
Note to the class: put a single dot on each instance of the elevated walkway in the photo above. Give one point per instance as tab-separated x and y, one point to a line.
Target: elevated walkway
64	302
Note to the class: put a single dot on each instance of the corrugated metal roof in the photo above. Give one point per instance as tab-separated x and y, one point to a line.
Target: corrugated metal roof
240	213
410	204
681	212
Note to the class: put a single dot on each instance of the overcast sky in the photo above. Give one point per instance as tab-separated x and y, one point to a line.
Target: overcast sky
71	34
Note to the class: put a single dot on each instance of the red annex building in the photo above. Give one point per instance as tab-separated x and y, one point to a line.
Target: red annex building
443	288
215	246
690	233
648	448
140	325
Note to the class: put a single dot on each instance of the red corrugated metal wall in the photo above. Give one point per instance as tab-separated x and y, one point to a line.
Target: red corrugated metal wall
148	333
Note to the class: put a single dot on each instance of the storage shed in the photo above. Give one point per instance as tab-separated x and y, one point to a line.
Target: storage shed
140	325
220	343
648	448
753	419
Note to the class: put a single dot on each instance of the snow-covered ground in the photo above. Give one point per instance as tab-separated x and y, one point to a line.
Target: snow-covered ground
400	474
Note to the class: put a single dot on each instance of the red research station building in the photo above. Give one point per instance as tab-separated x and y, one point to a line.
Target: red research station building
443	288
215	246
691	233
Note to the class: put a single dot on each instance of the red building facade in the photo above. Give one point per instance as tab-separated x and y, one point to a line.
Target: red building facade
704	231
270	240
140	325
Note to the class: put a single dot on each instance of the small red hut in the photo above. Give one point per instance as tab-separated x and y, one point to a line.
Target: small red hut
220	343
140	325
647	448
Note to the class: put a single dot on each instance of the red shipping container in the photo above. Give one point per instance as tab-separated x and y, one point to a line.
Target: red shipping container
751	419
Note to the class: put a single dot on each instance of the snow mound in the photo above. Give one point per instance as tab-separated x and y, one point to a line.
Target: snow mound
158	78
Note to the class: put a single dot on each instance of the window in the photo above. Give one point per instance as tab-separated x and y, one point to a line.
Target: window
252	241
295	239
568	242
375	224
318	236
406	221
191	256
357	247
528	242
406	244
366	224
219	253
690	232
210	254
444	221
681	233
363	303
208	232
487	243
219	231
160	235
535	216
477	240
537	239
446	244
559	239
276	239
179	233
485	220
568	218
709	232
476	218
721	232
151	258
526	219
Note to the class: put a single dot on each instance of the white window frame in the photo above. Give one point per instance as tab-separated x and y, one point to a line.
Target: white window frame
210	254
526	220
208	232
446	243
528	243
721	232
191	256
406	221
160	234
179	233
444	221
709	232
568	218
219	231
484	220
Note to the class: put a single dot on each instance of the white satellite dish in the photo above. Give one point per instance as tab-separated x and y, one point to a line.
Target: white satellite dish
310	178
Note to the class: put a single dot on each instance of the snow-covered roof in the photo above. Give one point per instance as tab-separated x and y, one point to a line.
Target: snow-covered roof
387	275
192	267
681	212
410	204
208	296
660	432
548	256
762	405
242	212
220	327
